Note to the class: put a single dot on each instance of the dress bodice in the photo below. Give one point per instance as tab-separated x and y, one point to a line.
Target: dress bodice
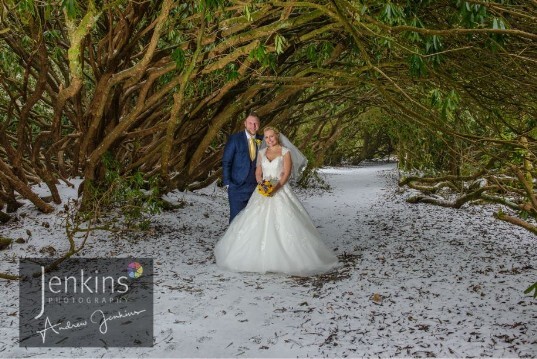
272	169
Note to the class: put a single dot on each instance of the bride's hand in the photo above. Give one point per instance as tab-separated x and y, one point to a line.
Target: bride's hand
275	189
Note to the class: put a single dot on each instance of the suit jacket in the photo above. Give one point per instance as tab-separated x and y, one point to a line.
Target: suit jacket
236	163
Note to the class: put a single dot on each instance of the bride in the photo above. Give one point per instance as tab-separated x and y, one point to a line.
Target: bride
274	233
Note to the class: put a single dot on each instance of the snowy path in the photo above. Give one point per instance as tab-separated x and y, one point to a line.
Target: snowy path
418	281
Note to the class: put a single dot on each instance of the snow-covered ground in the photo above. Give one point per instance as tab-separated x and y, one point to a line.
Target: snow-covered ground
418	280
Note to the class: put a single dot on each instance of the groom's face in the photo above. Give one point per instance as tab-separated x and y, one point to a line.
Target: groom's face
252	124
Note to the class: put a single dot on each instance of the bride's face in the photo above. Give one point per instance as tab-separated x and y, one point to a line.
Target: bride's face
271	138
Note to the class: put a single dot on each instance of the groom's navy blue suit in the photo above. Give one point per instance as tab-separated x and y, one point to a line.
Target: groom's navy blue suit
238	172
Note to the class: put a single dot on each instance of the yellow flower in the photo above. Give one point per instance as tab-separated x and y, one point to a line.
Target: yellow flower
265	188
258	141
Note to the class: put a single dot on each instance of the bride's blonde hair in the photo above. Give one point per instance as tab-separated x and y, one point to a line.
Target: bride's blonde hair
276	132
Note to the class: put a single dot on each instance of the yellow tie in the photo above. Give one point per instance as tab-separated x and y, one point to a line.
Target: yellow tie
251	146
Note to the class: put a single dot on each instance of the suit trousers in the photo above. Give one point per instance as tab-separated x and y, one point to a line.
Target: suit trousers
239	197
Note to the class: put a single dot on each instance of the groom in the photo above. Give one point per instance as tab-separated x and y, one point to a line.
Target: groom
238	164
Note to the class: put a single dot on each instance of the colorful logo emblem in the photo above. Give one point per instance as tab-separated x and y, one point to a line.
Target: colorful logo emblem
135	270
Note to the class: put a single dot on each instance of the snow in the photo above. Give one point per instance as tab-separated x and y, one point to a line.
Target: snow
418	280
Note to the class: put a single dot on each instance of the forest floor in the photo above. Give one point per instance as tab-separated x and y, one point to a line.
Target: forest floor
417	280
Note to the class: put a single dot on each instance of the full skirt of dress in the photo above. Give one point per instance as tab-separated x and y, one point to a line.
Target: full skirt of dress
274	234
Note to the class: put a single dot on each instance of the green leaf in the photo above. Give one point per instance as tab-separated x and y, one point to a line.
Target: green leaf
178	56
48	12
71	8
259	53
417	66
232	72
387	12
524	214
393	14
280	42
138	179
213	4
436	43
311	53
498	23
247	13
532	288
435	97
25	7
323	53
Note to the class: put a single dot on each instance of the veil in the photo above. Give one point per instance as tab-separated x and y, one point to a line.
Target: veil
299	160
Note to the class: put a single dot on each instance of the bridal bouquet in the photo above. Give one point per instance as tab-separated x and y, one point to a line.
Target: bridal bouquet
265	188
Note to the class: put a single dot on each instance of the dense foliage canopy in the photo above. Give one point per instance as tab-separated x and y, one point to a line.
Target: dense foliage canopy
154	88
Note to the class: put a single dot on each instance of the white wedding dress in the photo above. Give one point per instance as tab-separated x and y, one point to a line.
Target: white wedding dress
274	234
